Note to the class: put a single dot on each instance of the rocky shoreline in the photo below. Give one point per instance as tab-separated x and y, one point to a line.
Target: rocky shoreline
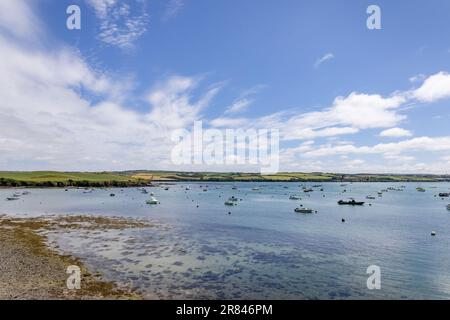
30	270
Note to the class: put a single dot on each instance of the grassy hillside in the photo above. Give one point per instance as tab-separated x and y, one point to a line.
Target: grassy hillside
282	176
60	179
142	177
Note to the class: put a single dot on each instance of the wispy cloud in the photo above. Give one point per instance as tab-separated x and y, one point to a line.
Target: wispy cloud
417	78
172	9
122	23
245	100
239	106
323	59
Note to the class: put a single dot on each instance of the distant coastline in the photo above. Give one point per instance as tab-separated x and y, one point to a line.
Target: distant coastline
142	178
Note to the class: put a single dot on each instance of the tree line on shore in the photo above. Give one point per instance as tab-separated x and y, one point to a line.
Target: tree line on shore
73	183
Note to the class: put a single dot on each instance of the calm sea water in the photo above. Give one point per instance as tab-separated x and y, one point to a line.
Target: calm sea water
263	249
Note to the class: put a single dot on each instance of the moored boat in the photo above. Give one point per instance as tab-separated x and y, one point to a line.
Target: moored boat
304	210
153	200
352	202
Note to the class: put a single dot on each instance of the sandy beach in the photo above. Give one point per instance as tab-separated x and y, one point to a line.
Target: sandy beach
29	269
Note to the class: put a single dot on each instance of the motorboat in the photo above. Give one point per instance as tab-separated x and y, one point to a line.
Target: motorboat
308	190
448	207
444	194
153	200
352	202
304	210
420	189
294	198
12	198
370	197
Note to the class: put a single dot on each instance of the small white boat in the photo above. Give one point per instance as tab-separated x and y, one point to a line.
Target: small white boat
308	190
153	200
303	210
294	198
230	203
255	189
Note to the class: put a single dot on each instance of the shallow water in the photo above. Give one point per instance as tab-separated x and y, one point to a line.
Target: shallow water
263	249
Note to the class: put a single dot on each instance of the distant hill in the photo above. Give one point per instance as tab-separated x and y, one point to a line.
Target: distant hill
144	177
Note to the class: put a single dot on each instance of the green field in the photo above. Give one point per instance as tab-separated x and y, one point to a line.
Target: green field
143	177
282	176
61	179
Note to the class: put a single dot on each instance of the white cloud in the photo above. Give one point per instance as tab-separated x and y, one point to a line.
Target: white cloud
173	7
395	132
172	105
347	115
434	88
18	19
121	23
419	144
323	59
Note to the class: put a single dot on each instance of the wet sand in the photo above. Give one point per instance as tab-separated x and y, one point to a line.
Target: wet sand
29	269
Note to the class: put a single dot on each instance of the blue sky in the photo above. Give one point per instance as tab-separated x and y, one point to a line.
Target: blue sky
108	96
